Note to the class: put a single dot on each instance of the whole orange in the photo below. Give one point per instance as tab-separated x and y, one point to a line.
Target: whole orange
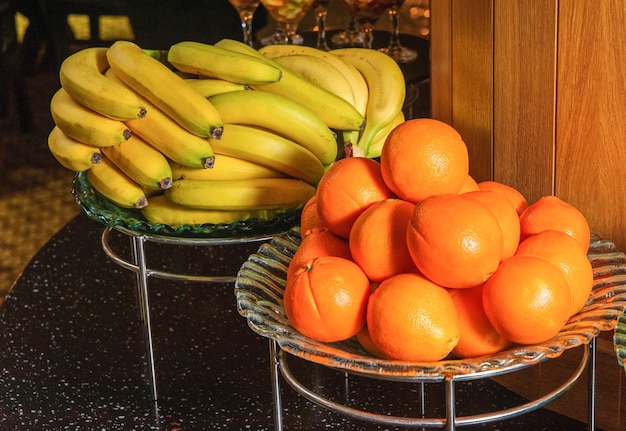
318	242
364	338
378	239
326	299
477	337
411	318
515	196
528	299
563	251
348	187
553	213
310	218
424	157
469	185
507	217
454	240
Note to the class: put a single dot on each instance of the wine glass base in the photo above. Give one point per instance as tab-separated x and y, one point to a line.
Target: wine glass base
348	39
401	55
296	39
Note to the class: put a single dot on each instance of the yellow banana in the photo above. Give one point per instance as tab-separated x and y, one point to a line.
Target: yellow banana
349	72
319	72
208	87
166	90
214	62
163	211
72	154
143	163
115	185
81	75
85	125
332	109
280	115
170	138
225	168
271	150
386	85
229	195
376	147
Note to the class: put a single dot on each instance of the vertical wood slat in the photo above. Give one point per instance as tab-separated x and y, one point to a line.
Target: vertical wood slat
524	95
441	60
461	75
472	81
591	113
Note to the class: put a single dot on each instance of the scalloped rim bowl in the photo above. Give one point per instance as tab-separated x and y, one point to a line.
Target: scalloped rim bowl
259	291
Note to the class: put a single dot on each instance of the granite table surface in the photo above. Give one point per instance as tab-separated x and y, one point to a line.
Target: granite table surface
73	352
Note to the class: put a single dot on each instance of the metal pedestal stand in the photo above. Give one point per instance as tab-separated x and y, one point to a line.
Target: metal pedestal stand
138	264
280	368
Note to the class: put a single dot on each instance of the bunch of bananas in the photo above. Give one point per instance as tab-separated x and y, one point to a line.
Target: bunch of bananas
219	133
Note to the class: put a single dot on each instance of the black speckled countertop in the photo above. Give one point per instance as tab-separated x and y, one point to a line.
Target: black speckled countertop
73	355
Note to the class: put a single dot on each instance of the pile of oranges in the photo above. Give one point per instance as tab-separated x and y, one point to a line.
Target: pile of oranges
418	261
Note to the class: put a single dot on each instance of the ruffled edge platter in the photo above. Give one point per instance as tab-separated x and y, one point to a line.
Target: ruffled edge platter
259	292
101	209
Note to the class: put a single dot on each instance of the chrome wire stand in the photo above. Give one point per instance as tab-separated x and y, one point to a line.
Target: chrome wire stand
280	368
138	264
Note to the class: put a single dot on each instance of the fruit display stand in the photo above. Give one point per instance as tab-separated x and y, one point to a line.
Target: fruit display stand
259	288
130	223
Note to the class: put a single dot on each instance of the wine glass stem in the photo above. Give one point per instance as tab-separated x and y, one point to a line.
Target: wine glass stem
290	31
246	26
368	30
321	13
394	42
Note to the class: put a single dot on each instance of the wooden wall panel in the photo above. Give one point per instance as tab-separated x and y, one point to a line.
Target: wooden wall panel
524	93
591	113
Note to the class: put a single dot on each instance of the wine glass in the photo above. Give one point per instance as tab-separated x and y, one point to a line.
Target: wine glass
246	9
288	14
351	36
321	10
366	13
395	49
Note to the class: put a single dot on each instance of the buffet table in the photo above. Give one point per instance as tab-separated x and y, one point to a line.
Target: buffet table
74	357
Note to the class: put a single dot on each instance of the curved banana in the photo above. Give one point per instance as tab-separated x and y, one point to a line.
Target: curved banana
376	147
85	125
332	109
215	62
319	72
211	86
81	74
170	138
163	210
386	84
166	90
143	163
229	195
115	185
280	115
349	72
72	154
225	168
271	150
